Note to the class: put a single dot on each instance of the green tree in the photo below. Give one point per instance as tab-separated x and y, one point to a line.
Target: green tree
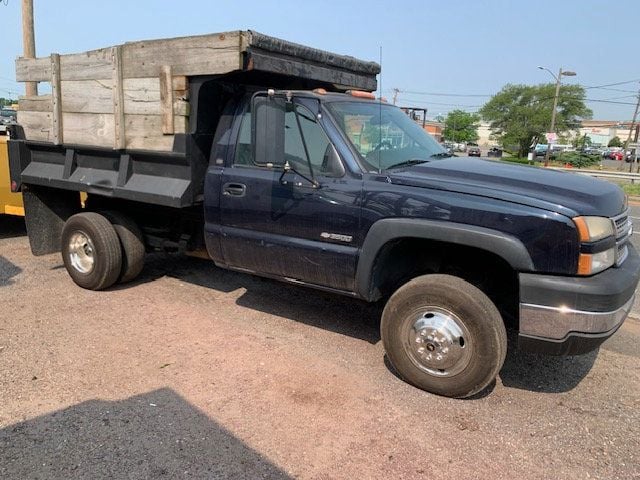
519	115
582	141
461	126
615	142
7	101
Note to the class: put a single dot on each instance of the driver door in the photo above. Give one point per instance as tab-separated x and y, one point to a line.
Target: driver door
300	223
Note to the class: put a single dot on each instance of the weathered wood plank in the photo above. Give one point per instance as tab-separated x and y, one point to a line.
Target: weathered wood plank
166	100
197	55
142	131
94	64
36	125
56	100
145	132
40	103
119	140
89	129
33	69
141	97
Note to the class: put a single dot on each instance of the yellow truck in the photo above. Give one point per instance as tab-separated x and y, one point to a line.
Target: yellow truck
10	203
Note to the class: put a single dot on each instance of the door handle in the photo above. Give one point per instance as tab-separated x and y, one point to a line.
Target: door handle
234	189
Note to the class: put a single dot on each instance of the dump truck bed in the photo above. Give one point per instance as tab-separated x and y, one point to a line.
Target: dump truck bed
136	121
136	95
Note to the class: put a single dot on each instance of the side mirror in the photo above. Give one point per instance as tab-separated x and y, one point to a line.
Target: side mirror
267	129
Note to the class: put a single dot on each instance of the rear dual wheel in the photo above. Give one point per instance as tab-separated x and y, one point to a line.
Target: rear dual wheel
99	250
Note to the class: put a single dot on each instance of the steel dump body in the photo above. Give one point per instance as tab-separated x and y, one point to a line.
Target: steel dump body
136	121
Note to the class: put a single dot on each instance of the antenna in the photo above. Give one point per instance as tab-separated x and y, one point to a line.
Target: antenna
380	117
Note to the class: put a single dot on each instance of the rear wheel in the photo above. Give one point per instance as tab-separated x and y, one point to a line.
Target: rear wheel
444	335
132	244
91	251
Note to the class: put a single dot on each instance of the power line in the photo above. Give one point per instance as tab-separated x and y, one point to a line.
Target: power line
435	94
613	84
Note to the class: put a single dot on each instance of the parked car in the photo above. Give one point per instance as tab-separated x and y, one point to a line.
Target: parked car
540	151
494	152
7	117
473	150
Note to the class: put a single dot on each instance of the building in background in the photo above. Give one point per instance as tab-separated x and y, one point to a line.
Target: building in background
599	131
602	131
419	115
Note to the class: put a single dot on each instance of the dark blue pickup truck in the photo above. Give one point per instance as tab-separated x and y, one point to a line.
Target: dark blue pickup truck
342	192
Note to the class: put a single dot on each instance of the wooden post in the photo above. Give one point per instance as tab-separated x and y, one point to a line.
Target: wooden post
166	100
29	42
56	100
119	142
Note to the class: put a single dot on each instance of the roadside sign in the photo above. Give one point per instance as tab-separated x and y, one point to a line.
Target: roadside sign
552	137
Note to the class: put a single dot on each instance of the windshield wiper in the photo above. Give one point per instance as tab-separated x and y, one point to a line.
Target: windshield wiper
441	155
408	163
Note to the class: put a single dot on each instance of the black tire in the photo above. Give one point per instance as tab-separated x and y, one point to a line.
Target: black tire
413	310
131	242
93	237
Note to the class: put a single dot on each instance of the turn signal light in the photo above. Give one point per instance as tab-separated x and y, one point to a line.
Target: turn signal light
14	186
584	264
583	230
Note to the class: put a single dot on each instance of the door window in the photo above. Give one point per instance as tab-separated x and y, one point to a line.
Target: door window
306	145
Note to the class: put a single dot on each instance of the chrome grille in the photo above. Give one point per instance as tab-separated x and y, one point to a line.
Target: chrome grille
624	229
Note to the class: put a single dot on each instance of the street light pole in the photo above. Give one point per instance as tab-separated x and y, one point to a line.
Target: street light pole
555	106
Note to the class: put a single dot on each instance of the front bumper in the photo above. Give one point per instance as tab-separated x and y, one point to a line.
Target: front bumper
574	315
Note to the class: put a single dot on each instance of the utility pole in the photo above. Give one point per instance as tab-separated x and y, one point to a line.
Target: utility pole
555	106
29	41
631	129
395	95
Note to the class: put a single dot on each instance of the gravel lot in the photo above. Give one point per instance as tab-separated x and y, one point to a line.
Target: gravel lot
194	372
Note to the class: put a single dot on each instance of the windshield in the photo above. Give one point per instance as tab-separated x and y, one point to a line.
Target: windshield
384	135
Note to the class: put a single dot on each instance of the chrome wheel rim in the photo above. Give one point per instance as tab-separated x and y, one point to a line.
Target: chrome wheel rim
437	342
81	252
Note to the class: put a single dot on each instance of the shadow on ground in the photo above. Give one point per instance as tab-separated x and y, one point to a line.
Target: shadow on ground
154	435
11	226
543	373
8	270
357	319
336	313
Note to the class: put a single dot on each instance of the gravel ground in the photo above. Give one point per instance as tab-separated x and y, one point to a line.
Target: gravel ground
194	372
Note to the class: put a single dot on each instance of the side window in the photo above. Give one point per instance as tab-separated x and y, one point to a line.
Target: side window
244	152
301	130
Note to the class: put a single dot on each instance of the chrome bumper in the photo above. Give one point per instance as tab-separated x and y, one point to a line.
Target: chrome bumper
557	323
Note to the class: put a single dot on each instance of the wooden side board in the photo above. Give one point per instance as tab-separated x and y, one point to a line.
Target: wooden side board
97	129
197	55
87	111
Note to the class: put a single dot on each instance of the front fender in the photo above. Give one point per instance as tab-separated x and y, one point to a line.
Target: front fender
508	247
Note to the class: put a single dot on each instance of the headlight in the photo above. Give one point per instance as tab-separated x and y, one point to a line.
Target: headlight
592	263
592	229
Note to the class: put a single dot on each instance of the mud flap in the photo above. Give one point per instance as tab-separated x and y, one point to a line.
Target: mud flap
46	211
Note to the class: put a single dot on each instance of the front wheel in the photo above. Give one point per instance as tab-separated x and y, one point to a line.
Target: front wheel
444	335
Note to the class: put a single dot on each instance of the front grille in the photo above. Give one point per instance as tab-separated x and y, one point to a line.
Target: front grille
623	224
624	229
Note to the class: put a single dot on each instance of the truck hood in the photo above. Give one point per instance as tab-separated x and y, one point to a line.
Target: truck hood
567	193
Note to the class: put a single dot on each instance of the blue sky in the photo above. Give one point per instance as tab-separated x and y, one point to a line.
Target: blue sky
467	48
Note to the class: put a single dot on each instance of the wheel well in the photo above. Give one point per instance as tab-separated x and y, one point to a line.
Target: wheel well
404	259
